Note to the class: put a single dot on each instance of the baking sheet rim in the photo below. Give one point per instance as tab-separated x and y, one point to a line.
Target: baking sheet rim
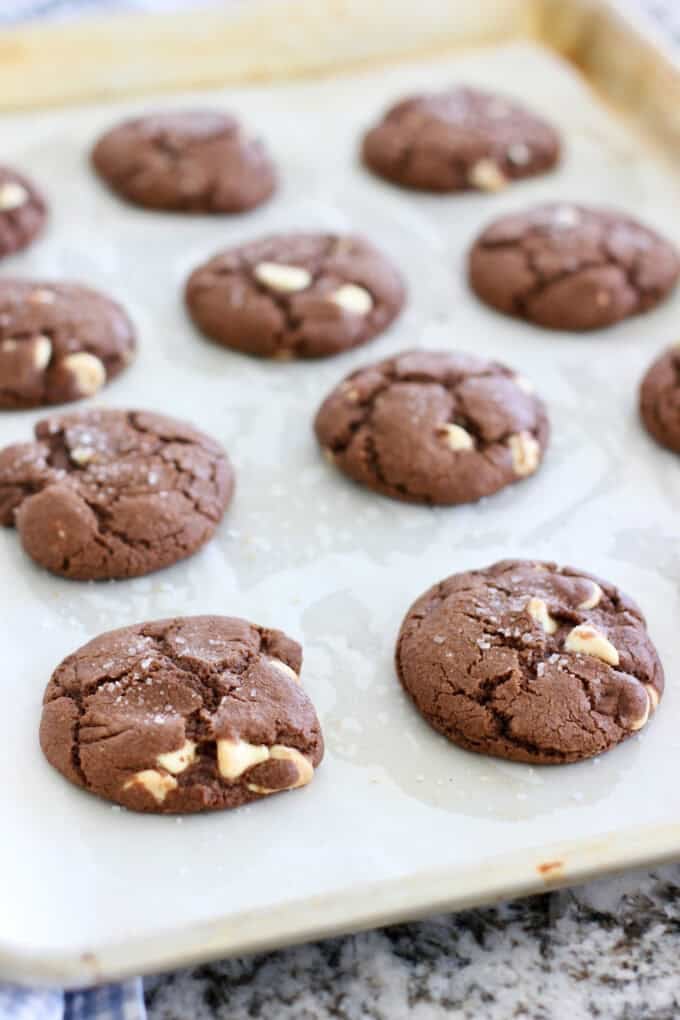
521	873
30	54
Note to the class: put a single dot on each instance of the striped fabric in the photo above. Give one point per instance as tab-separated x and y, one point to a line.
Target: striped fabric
109	1002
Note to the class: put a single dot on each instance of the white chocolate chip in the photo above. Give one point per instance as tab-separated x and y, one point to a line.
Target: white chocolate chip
179	760
456	437
88	371
637	724
284	668
42	296
329	455
158	784
565	216
653	695
652	703
525	452
12	195
519	153
279	277
234	757
593	599
350	392
591	641
538	611
353	298
603	299
524	384
487	176
82	455
42	352
305	769
9	345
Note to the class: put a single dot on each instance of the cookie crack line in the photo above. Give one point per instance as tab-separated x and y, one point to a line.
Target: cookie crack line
113	494
571	267
521	639
490	687
207	680
435	427
392	378
183	715
59	342
185	161
287	339
459	140
295	295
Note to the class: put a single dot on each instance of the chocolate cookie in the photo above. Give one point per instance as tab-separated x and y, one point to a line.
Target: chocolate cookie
460	140
434	427
191	161
22	211
296	295
198	713
58	342
570	267
113	494
530	661
660	399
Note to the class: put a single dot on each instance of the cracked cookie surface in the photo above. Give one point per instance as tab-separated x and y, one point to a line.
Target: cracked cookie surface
296	295
571	267
434	427
530	661
459	140
59	342
188	161
23	211
181	715
112	494
660	399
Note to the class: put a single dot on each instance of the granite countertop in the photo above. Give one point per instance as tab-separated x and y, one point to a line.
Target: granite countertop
609	949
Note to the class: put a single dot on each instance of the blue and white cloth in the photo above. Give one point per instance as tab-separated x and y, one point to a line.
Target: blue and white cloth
109	1002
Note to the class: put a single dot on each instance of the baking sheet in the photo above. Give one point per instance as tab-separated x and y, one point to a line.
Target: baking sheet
397	821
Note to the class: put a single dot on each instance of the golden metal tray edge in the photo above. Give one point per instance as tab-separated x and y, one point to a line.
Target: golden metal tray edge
95	59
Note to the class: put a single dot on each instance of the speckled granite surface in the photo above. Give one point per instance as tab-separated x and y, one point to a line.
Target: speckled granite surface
609	950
